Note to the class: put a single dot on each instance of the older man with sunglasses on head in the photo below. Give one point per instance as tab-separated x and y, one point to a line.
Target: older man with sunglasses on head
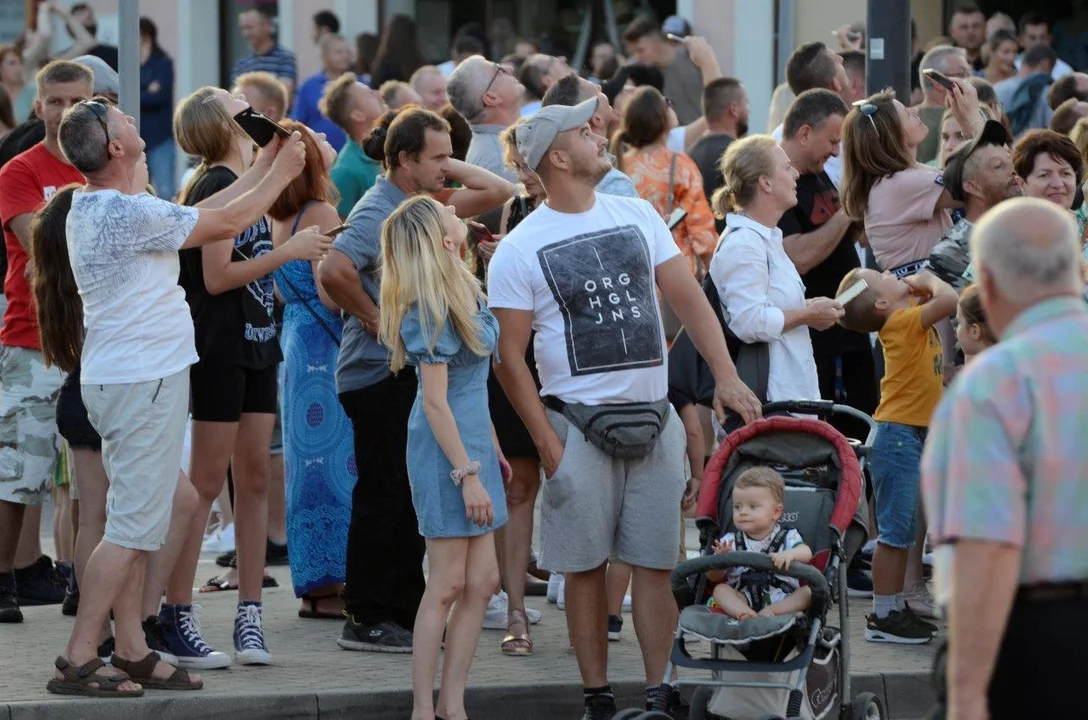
123	245
489	97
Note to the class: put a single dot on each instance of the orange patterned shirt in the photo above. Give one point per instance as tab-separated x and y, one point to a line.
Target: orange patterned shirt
649	170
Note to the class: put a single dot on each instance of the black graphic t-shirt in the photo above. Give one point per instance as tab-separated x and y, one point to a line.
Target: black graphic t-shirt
235	327
817	202
590	281
707	154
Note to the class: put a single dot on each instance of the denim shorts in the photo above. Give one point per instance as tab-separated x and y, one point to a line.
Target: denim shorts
896	467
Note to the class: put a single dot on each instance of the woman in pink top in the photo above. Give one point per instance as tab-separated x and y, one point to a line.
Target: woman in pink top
903	203
667	179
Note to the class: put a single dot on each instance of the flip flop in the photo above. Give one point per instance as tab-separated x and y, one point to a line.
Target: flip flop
313	613
78	680
219	584
141	671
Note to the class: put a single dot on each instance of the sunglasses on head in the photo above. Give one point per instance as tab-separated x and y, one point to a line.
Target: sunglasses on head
99	107
868	109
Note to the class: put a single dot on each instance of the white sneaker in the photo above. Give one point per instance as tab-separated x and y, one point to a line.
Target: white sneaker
920	600
226	539
553	587
561	596
497	607
627	603
211	542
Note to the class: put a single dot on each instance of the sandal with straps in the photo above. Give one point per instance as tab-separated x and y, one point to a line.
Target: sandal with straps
78	681
313	613
219	583
517	644
141	671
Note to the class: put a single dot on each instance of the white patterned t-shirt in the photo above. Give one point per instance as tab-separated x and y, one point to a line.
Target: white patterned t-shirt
124	255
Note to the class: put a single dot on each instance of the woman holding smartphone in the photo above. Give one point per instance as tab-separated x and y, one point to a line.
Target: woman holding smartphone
433	316
319	455
228	286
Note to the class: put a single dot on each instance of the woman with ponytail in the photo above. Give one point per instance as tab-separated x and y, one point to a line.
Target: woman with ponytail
228	286
762	295
669	180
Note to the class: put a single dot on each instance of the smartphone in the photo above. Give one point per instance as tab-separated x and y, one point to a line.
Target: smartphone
337	230
260	127
677	217
852	292
939	78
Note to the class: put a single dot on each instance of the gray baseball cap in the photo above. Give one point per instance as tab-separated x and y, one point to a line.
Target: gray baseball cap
538	131
106	81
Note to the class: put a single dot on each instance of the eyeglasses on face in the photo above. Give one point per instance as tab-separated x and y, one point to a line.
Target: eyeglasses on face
499	70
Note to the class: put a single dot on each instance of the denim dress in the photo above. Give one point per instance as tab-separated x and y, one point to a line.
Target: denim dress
439	504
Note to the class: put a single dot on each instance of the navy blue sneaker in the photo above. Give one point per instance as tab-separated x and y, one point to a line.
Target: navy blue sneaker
181	631
249	647
615	627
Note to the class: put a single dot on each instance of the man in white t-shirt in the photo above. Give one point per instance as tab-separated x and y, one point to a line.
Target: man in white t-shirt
139	345
581	271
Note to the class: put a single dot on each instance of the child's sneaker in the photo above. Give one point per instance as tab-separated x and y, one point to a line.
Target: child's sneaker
615	627
249	647
553	588
897	627
181	631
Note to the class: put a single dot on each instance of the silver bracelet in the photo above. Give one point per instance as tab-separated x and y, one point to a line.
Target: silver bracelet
461	473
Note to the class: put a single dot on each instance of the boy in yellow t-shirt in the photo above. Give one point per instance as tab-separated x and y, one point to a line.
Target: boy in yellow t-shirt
903	312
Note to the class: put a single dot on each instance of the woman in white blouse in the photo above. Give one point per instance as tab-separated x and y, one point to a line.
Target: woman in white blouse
763	298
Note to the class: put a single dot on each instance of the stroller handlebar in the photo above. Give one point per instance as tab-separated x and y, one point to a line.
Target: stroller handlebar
822	409
804	572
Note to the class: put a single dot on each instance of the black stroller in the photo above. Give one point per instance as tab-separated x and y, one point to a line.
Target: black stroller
793	666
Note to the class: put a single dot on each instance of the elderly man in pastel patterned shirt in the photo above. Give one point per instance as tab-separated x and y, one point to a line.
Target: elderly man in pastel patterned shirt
1005	478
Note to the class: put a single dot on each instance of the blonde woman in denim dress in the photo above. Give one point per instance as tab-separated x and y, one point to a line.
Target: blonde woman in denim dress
433	316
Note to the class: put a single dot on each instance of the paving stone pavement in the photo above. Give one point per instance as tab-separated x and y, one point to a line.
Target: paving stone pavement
308	661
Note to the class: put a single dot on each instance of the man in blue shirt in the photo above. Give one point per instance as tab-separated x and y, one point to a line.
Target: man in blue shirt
266	55
335	60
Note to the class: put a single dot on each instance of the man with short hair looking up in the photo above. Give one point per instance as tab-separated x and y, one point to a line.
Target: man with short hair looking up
488	96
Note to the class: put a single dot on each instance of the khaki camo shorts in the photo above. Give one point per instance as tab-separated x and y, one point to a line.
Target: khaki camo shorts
29	442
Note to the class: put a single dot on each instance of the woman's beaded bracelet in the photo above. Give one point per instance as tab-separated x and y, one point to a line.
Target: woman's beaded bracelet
460	474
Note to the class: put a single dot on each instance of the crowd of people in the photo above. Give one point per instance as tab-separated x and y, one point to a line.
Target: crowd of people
385	335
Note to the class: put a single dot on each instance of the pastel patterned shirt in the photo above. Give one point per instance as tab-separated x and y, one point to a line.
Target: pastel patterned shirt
1006	459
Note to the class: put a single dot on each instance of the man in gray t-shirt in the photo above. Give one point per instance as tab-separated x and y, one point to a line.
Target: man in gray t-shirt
384	580
489	97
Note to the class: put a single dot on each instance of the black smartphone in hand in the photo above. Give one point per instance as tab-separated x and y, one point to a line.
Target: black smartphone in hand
259	127
940	78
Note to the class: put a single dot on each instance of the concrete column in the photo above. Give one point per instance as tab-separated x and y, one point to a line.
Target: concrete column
357	16
128	57
752	56
285	28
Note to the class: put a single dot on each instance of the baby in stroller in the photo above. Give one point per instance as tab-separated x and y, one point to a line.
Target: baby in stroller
758	497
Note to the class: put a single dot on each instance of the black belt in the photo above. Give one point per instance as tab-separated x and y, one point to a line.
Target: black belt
1045	592
911	268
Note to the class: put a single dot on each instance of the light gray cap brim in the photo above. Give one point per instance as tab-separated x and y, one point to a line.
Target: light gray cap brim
538	131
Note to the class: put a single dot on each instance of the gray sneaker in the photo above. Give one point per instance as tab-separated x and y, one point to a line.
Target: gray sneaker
386	637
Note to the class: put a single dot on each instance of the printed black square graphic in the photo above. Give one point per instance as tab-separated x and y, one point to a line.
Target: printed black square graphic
603	284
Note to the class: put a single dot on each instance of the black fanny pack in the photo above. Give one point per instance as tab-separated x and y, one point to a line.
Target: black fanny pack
626	430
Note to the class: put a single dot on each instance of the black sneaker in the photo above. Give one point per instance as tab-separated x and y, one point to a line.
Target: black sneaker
9	605
859	583
600	707
386	637
40	584
70	605
156	640
920	621
615	627
674	708
105	650
275	554
897	627
227	559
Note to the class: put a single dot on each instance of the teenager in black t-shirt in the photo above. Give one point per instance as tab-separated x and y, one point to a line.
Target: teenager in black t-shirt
228	286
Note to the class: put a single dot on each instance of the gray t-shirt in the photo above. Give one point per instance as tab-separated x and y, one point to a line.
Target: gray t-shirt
684	86
485	151
363	360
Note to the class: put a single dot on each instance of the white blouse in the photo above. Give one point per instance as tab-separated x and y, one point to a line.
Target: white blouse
757	281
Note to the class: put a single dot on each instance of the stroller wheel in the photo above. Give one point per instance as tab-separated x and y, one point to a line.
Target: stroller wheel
700	699
867	706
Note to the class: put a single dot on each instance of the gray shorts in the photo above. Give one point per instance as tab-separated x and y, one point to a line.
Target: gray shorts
596	506
143	432
29	442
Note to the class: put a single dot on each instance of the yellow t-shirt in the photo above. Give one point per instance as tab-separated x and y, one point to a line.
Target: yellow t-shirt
913	375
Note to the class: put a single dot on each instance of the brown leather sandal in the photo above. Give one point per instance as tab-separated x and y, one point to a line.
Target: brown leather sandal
78	681
141	671
517	644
